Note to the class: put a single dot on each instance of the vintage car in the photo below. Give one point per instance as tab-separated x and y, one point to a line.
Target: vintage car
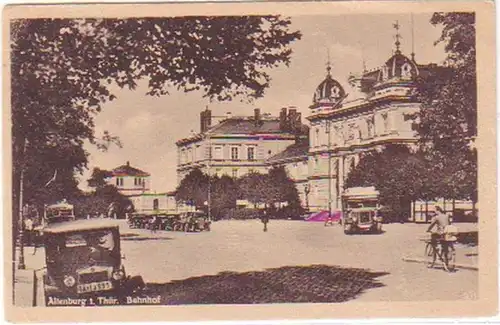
360	210
61	211
83	258
362	220
193	221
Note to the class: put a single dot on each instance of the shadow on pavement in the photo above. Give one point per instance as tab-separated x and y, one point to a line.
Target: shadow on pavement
314	283
145	238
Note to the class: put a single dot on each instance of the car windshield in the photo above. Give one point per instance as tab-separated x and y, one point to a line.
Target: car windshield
102	239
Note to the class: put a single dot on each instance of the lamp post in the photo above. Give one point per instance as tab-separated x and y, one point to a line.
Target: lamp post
21	265
209	195
307	190
329	173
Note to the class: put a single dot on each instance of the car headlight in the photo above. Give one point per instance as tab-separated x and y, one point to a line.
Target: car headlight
69	281
118	275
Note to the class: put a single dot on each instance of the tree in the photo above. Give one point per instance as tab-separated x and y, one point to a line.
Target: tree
98	178
400	176
224	193
256	188
193	189
62	70
283	187
447	122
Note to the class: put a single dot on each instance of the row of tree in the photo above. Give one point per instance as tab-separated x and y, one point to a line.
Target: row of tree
102	199
444	164
267	189
63	72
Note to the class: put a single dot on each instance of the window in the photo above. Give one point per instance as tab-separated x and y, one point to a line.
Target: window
119	181
316	142
155	204
218	152
251	153
234	153
235	173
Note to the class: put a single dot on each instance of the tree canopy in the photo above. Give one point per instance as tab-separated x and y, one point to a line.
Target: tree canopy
62	71
269	189
447	122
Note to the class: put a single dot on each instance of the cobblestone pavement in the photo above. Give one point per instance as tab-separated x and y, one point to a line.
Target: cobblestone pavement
294	261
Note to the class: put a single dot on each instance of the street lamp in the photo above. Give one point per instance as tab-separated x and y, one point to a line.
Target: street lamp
328	125
209	196
307	190
20	235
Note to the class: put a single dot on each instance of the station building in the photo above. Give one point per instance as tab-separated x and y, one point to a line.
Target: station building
343	128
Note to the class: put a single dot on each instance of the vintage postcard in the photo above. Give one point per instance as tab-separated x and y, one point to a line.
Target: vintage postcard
249	161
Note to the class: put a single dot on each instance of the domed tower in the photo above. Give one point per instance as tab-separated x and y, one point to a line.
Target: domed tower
398	71
329	93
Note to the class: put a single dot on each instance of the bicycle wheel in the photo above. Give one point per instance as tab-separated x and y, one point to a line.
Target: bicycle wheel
430	255
449	258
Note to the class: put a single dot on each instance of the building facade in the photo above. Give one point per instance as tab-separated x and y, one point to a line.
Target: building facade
342	129
237	146
149	202
129	180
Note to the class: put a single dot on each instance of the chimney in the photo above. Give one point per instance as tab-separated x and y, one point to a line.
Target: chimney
292	116
283	119
128	163
256	116
205	120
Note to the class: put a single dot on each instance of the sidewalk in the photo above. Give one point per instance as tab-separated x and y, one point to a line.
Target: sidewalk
466	248
26	280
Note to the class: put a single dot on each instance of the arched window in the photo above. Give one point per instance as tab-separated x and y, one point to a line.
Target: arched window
155	204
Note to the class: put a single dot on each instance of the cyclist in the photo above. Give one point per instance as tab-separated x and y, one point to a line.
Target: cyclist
440	220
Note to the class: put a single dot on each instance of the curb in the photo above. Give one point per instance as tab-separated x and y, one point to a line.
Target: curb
457	265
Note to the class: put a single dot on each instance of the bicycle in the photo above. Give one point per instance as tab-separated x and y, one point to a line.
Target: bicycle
442	248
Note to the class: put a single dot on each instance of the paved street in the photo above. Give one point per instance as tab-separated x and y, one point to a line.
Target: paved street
293	261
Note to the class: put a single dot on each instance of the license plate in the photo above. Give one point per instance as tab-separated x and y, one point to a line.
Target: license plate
95	286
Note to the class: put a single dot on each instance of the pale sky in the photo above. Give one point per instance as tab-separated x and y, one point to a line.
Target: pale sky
149	126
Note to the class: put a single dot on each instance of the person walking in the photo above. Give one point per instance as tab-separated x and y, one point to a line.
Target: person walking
265	219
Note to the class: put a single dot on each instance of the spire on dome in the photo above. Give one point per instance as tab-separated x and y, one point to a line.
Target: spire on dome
328	64
397	37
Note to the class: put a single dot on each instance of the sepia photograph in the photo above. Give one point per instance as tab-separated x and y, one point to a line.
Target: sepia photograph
325	156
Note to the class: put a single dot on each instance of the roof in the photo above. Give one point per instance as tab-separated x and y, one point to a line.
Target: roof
246	126
328	91
369	191
297	150
60	205
127	170
79	225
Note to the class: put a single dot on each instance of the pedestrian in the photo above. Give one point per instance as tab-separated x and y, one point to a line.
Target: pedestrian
152	224
28	230
265	219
